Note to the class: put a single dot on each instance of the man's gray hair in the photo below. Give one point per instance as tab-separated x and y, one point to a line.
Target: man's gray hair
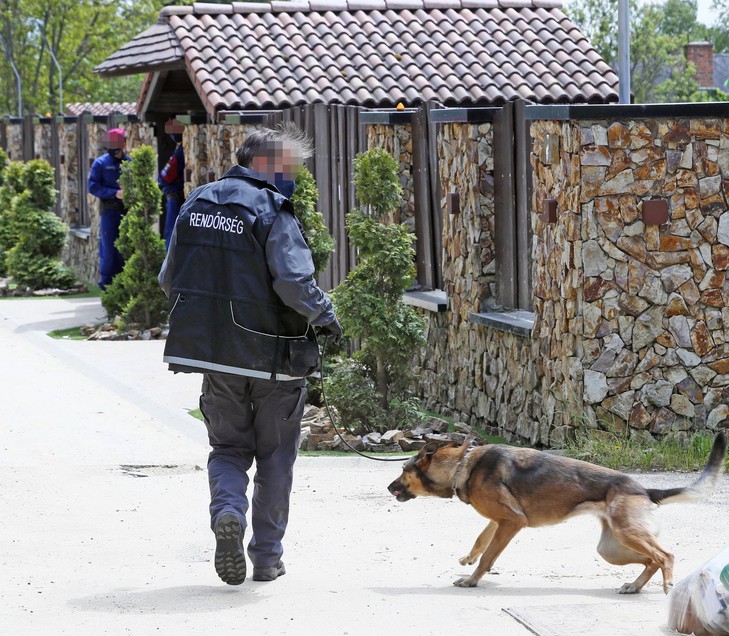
270	141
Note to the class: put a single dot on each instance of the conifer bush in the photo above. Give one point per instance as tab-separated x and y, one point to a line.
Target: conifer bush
370	308
32	237
317	235
134	295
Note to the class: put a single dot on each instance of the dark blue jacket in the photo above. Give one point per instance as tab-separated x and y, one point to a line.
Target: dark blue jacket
104	176
240	278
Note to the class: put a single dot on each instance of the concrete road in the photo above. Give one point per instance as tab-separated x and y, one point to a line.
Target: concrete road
104	526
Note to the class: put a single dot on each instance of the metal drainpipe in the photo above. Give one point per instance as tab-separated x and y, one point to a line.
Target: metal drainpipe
624	51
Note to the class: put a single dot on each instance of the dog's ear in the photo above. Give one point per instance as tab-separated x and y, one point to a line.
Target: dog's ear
425	454
430	449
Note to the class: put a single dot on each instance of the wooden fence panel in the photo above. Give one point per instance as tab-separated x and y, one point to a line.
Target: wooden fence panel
82	170
56	161
504	208
28	138
422	185
522	184
321	173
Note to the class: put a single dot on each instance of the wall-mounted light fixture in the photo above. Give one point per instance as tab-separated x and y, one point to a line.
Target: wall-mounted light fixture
549	210
550	150
655	211
453	203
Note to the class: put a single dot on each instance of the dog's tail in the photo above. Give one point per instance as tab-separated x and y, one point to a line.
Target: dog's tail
704	485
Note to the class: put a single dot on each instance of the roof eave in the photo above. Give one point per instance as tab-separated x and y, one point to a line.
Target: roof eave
138	69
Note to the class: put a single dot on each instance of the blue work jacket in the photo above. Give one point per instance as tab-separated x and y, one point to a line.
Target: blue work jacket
104	176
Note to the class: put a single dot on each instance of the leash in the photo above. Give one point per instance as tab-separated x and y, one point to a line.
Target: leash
331	417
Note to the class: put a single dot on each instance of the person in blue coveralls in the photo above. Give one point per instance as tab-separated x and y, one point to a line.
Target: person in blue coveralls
172	180
104	184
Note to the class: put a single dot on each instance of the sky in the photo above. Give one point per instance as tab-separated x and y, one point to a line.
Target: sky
705	15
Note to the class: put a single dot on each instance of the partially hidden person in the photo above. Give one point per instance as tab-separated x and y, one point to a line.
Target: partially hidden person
172	180
104	184
245	311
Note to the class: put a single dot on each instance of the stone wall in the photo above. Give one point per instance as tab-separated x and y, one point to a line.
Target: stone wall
210	150
14	139
556	282
635	313
631	318
483	376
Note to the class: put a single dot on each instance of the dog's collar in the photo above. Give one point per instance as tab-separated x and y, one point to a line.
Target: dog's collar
457	475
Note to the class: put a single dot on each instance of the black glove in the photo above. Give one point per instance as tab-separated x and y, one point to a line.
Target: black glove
333	329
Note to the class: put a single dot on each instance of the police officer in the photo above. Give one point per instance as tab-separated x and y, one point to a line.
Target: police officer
104	184
172	179
245	306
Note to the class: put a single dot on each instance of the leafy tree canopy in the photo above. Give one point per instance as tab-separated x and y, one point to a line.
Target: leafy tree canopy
80	34
659	32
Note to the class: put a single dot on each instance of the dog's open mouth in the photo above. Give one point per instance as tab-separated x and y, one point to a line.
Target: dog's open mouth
400	493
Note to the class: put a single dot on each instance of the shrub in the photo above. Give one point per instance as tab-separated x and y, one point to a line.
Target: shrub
317	235
135	295
31	235
369	302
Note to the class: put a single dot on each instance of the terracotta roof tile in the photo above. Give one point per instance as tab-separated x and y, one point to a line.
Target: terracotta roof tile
377	52
102	108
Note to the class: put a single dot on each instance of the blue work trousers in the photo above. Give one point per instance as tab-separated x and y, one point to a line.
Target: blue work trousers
173	203
253	419
111	261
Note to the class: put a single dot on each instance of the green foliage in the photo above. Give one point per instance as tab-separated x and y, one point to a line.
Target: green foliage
374	387
7	239
659	31
135	295
683	451
377	182
719	31
317	235
31	235
351	389
81	34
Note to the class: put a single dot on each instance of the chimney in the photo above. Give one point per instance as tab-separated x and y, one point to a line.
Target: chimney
702	56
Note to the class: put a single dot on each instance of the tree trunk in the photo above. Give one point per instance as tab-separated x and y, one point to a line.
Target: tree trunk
382	380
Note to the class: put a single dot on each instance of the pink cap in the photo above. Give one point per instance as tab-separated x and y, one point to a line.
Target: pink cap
115	138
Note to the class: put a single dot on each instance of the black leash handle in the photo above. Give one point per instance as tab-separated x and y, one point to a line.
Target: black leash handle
331	417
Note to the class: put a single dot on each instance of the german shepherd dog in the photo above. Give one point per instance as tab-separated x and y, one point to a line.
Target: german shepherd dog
517	488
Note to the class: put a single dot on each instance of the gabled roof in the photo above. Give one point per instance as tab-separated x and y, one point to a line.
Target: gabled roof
373	53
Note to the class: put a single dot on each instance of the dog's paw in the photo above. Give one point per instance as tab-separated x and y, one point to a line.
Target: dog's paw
467	560
465	582
628	588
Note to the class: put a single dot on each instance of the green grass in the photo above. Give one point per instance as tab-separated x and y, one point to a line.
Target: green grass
72	333
623	453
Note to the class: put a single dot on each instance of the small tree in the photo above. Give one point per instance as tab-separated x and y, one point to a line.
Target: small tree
369	302
31	235
317	235
7	238
134	294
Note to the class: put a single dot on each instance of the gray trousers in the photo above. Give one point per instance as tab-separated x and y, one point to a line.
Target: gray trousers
247	419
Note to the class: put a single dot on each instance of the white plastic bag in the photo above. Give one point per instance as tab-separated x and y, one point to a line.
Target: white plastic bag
699	604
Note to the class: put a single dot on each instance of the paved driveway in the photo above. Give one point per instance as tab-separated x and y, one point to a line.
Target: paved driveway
104	529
